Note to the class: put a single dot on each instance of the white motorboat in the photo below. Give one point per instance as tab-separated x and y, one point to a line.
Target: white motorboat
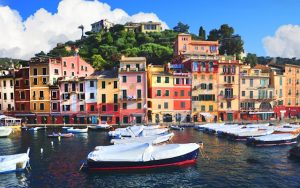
242	136
148	139
141	156
11	163
100	127
273	140
36	128
174	127
72	130
5	131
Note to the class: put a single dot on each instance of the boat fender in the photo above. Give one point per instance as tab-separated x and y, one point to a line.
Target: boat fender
52	143
42	150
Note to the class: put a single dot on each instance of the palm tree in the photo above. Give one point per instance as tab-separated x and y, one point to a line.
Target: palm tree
82	28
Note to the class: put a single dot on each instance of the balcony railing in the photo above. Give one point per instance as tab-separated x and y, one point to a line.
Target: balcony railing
129	98
255	109
131	69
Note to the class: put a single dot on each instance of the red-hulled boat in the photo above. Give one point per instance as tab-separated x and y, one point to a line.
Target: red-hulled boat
141	156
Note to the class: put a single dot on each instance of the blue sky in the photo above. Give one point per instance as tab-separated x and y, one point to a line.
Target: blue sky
253	20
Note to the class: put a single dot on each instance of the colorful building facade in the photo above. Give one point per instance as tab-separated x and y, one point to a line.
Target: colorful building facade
7	96
228	88
133	89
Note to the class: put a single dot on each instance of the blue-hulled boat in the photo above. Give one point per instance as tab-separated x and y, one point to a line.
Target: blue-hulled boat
273	140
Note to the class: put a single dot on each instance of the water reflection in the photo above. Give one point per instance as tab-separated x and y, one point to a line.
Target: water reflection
230	164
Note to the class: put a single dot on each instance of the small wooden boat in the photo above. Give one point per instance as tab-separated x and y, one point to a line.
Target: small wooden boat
141	156
174	127
100	127
12	163
157	139
62	135
72	130
5	131
273	140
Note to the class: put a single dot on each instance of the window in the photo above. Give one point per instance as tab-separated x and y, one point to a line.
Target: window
290	81
54	94
34	106
115	84
44	71
210	77
65	73
115	98
103	98
124	105
72	74
54	106
189	93
11	83
211	108
115	107
251	82
182	104
92	95
12	96
158	79
167	80
5	96
159	106
251	94
65	63
177	81
202	108
243	93
81	108
56	71
42	106
92	108
158	93
124	79
4	83
167	93
139	94
33	95
166	105
66	88
91	83
41	94
195	76
73	86
124	93
22	95
86	69
44	81
182	93
81	87
243	81
139	105
27	82
203	77
103	108
103	84
210	86
35	81
73	66
176	93
228	104
138	79
35	71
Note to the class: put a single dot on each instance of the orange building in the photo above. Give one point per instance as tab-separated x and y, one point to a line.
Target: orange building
185	45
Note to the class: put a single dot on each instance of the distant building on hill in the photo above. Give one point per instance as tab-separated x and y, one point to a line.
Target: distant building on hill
102	24
144	27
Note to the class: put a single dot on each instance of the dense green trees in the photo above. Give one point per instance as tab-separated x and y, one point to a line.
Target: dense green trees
251	59
181	28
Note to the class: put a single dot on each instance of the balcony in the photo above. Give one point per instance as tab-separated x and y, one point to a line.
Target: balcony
228	97
255	109
123	69
130	98
228	84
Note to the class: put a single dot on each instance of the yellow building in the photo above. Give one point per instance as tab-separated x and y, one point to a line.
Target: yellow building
228	88
39	89
144	27
160	95
108	96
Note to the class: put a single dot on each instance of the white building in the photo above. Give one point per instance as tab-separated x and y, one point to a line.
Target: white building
102	24
7	102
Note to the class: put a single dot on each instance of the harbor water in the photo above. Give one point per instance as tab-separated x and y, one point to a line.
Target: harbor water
229	164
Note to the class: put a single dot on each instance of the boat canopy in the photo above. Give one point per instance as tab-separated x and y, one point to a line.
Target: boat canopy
8	120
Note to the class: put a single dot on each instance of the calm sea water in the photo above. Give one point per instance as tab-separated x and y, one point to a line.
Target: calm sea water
230	164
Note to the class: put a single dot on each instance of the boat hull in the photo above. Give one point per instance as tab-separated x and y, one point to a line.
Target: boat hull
259	143
185	159
14	167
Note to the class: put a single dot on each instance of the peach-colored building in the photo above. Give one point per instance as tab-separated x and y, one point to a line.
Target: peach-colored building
185	45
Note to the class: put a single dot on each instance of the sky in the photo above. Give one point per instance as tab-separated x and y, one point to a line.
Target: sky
268	27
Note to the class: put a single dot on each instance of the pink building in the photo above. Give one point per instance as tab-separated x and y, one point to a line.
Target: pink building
133	90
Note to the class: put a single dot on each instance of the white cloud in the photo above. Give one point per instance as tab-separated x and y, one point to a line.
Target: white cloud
43	30
285	43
